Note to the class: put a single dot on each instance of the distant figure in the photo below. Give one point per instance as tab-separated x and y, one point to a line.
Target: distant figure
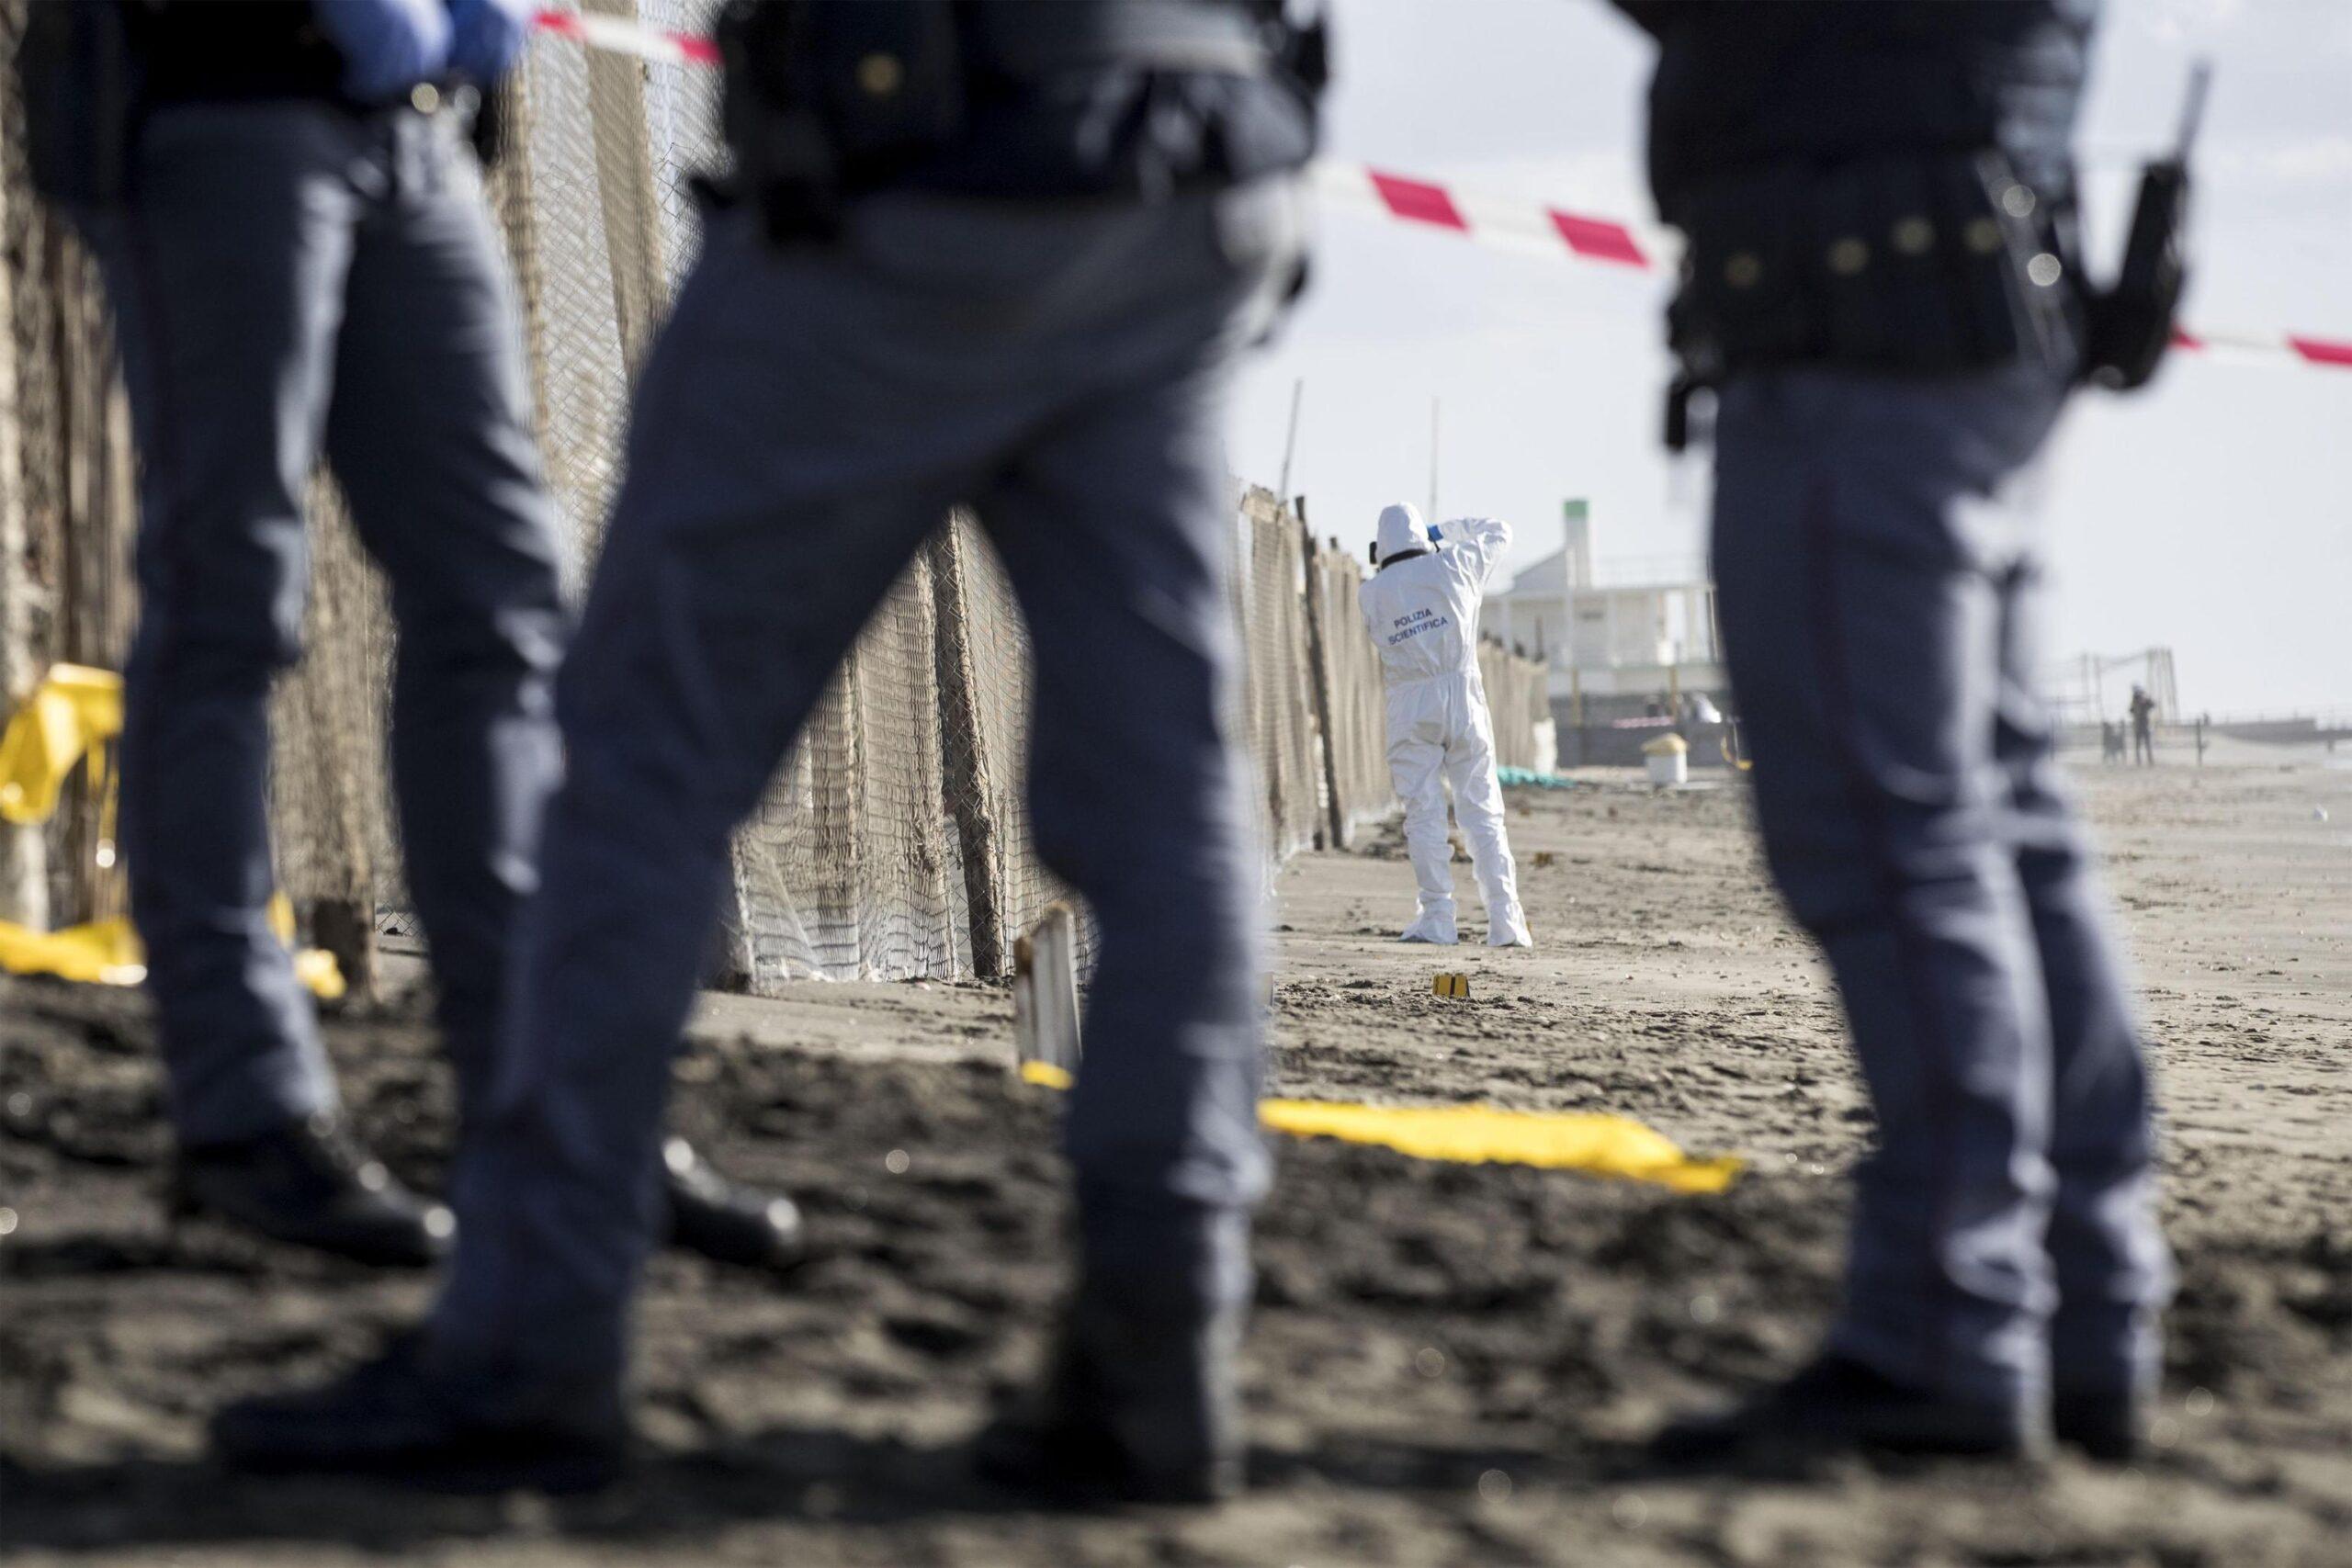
2203	719
2143	728
2111	743
1422	608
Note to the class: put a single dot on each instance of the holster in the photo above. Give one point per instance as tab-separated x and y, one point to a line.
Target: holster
824	99
80	78
2132	325
1904	265
827	100
491	126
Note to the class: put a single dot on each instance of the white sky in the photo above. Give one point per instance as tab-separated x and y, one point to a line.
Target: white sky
2211	514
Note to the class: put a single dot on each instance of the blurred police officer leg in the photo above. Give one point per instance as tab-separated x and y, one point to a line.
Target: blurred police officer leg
1887	296
1863	620
2112	1269
226	268
806	417
430	436
1130	497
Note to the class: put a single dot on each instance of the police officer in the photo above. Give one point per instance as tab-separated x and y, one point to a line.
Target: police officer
1000	253
300	260
1881	289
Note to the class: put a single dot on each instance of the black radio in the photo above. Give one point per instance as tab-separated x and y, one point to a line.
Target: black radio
2132	325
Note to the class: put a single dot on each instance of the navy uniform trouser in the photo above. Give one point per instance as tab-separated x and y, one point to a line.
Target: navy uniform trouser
288	279
1879	581
804	423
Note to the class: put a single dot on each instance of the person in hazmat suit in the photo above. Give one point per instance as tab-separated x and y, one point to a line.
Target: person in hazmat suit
1421	607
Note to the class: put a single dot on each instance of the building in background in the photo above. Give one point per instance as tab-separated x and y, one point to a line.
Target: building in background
1629	658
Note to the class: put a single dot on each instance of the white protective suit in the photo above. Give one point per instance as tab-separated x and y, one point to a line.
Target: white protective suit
1423	615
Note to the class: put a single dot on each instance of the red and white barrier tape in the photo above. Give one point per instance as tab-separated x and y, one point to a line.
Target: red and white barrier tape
1518	225
1522	225
1501	222
617	35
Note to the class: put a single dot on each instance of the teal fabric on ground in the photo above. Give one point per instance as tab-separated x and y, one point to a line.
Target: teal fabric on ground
1528	778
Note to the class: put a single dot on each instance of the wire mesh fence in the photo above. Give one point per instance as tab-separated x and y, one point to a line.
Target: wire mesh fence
894	841
67	496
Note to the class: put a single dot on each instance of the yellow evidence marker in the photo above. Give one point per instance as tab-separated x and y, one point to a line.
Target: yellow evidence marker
1455	985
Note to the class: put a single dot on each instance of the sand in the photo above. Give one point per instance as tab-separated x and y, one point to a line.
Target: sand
1450	1364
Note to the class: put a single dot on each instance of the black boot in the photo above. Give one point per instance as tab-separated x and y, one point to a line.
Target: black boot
1135	1409
310	1184
2109	1426
1837	1404
724	1222
401	1416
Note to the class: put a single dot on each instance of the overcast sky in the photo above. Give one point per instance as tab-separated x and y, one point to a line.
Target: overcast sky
2211	514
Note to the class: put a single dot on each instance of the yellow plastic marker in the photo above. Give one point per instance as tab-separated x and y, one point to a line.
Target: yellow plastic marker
1455	985
1478	1134
314	967
1045	1075
72	714
106	952
319	974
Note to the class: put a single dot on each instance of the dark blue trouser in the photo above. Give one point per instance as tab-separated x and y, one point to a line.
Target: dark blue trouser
805	422
288	277
1879	587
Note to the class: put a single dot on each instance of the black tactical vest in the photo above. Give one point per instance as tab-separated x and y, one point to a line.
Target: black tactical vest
1753	84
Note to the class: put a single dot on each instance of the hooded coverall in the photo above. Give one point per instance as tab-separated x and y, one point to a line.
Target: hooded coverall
1423	615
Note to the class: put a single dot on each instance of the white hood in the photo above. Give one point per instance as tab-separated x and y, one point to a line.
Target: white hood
1402	530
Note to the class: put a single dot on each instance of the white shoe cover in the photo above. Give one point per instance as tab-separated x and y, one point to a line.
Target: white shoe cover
1509	929
1435	929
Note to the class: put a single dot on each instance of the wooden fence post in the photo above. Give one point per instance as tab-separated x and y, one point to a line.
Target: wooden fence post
963	760
1319	675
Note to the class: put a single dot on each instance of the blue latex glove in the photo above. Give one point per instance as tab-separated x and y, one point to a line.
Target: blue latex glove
387	46
488	36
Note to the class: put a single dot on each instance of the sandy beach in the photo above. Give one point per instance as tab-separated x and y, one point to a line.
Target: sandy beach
1450	1364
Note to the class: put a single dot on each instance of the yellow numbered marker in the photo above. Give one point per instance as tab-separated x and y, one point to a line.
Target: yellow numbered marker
1455	985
